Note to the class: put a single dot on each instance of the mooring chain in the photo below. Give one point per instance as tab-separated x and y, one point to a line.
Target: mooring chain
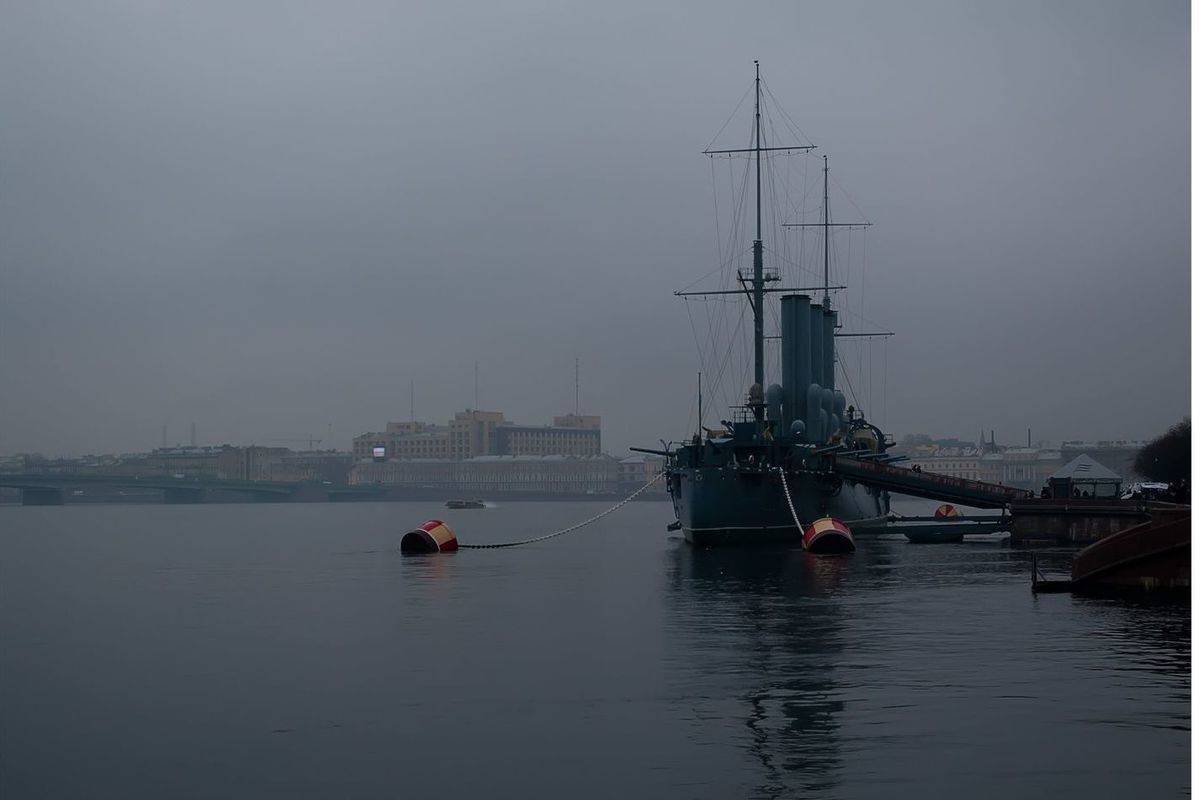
788	494
564	531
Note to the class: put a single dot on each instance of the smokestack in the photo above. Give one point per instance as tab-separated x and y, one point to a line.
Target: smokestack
830	324
1029	437
796	357
813	421
816	342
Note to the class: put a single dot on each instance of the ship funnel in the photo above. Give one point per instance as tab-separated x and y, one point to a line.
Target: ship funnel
816	342
795	355
839	409
813	415
829	320
776	398
828	423
813	423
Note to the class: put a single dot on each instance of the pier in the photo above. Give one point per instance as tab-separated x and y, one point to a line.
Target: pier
1031	521
927	485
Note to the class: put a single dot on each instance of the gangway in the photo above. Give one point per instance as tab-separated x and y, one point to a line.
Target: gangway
931	486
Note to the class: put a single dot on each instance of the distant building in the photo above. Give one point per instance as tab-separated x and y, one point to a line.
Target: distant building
226	462
204	463
431	443
555	474
405	440
365	444
958	462
1026	467
495	474
546	440
636	471
407	428
414	473
325	466
474	433
577	421
1013	466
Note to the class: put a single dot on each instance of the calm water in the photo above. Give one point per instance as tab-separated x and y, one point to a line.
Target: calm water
289	651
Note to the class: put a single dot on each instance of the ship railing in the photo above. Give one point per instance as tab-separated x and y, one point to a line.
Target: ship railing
741	414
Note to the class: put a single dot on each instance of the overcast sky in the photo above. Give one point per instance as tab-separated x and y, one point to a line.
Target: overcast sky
270	218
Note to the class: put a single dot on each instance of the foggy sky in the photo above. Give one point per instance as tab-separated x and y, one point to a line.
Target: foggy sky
269	218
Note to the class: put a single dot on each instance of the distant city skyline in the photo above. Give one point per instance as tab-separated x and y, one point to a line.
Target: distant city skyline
299	443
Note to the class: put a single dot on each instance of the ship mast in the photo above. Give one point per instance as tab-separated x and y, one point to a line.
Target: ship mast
825	205
758	245
758	280
825	225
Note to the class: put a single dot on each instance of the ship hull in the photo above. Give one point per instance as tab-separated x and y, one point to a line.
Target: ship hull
722	506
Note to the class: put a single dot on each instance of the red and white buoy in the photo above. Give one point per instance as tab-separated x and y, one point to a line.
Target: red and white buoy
828	535
947	510
434	536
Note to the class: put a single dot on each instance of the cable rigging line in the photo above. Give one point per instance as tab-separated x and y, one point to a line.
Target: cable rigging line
564	531
745	94
795	127
885	371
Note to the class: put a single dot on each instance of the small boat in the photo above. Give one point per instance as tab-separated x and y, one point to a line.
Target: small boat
465	504
948	526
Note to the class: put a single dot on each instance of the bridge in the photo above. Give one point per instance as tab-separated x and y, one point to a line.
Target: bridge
931	486
42	489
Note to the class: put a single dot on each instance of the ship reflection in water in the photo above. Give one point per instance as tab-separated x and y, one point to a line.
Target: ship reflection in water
930	667
768	621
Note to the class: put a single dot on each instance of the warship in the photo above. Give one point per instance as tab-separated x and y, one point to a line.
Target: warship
764	474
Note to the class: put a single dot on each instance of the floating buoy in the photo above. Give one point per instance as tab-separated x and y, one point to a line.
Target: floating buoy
434	536
828	535
947	510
